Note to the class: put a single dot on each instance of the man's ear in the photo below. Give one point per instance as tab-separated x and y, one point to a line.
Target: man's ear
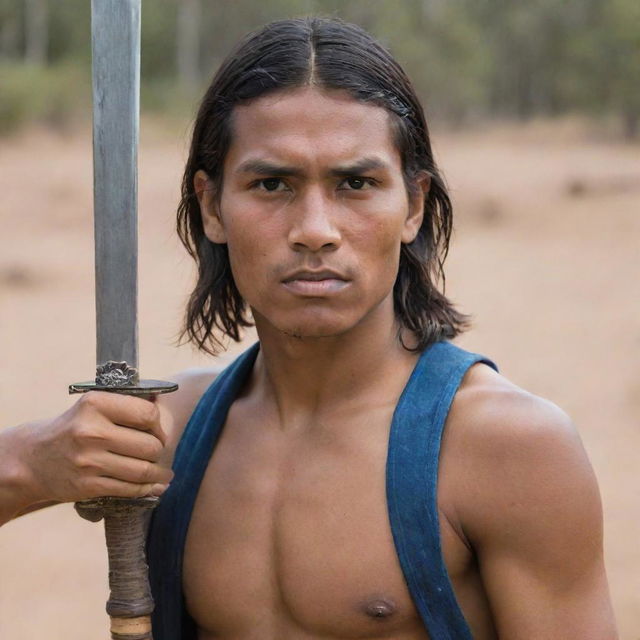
417	198
209	207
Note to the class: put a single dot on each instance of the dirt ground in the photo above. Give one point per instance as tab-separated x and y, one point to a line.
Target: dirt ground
546	257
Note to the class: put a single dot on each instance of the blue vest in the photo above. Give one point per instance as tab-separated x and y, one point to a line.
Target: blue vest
411	486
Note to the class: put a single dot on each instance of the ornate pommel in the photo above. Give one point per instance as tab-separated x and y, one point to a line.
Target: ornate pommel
116	374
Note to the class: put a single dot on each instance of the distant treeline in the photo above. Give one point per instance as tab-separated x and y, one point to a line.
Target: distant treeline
470	59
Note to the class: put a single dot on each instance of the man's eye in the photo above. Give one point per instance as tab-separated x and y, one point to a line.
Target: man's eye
272	184
357	183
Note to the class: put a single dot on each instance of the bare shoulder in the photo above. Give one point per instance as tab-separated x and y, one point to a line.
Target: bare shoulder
520	490
500	418
516	451
176	408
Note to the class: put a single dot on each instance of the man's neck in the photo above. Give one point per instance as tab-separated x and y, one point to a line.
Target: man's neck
307	378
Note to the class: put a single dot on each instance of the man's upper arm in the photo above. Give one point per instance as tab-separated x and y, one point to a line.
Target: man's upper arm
534	519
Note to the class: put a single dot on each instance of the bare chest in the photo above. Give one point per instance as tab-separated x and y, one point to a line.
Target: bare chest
290	536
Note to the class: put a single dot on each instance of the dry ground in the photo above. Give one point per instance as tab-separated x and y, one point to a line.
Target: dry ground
546	257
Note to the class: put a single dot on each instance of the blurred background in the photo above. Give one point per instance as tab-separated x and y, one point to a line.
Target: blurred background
469	60
534	109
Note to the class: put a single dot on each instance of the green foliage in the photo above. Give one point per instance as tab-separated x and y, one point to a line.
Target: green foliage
469	59
70	31
56	96
158	40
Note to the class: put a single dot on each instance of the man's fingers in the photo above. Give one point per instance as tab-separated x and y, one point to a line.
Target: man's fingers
131	470
133	443
124	410
120	489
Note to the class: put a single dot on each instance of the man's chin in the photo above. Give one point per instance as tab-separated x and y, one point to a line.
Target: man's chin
308	334
311	327
315	330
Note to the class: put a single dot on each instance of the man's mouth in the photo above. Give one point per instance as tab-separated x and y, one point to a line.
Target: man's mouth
314	276
306	282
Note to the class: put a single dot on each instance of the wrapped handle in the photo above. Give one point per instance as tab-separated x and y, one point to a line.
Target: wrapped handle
126	521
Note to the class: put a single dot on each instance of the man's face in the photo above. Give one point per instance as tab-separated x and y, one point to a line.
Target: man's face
313	209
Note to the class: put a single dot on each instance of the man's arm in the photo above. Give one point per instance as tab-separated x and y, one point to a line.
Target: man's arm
105	444
531	510
12	481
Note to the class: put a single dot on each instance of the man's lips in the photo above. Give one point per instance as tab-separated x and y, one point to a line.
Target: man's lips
314	276
307	282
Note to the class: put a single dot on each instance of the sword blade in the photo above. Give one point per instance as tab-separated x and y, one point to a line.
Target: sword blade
115	29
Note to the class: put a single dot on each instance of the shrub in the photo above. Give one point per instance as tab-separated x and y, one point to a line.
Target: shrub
55	96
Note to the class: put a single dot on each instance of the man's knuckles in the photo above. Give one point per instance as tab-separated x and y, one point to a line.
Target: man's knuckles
92	401
144	473
121	409
86	465
150	449
150	414
156	450
87	433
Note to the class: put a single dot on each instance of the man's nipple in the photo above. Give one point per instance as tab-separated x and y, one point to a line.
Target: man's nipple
379	608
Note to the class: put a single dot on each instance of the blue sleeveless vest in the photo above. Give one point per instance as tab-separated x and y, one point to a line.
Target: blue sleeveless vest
411	486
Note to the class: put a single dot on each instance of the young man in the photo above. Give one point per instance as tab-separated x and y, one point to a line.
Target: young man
355	475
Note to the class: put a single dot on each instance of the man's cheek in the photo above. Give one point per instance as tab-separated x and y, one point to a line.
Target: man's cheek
248	269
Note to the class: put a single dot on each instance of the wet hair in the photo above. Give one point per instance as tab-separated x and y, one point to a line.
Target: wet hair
329	54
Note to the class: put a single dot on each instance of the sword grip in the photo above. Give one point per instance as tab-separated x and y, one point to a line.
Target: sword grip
126	521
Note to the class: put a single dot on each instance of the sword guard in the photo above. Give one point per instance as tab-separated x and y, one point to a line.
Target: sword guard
118	377
142	388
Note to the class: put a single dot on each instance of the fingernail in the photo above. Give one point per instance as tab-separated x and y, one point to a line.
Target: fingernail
158	489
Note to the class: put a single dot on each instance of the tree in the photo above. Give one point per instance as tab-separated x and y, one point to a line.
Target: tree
188	42
36	32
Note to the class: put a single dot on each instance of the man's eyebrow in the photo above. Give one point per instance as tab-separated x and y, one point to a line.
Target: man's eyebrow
266	168
359	167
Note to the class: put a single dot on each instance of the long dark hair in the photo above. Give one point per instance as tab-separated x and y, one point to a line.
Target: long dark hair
331	54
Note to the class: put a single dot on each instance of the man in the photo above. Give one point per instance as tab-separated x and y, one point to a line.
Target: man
356	475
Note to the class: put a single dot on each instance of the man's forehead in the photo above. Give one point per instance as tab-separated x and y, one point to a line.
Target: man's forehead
304	123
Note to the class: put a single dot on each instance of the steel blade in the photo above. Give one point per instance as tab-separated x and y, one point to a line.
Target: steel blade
115	27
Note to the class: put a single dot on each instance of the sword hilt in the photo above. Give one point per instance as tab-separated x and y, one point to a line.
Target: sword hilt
126	522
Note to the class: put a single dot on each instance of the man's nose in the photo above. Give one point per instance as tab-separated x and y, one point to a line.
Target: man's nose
313	226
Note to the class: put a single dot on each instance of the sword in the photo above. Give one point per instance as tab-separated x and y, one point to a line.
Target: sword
115	34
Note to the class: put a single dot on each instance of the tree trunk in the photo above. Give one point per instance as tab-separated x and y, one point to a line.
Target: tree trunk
9	35
188	42
36	32
631	124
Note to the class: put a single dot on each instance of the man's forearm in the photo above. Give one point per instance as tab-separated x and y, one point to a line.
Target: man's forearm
16	486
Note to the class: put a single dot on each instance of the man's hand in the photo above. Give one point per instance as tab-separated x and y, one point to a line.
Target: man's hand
105	444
